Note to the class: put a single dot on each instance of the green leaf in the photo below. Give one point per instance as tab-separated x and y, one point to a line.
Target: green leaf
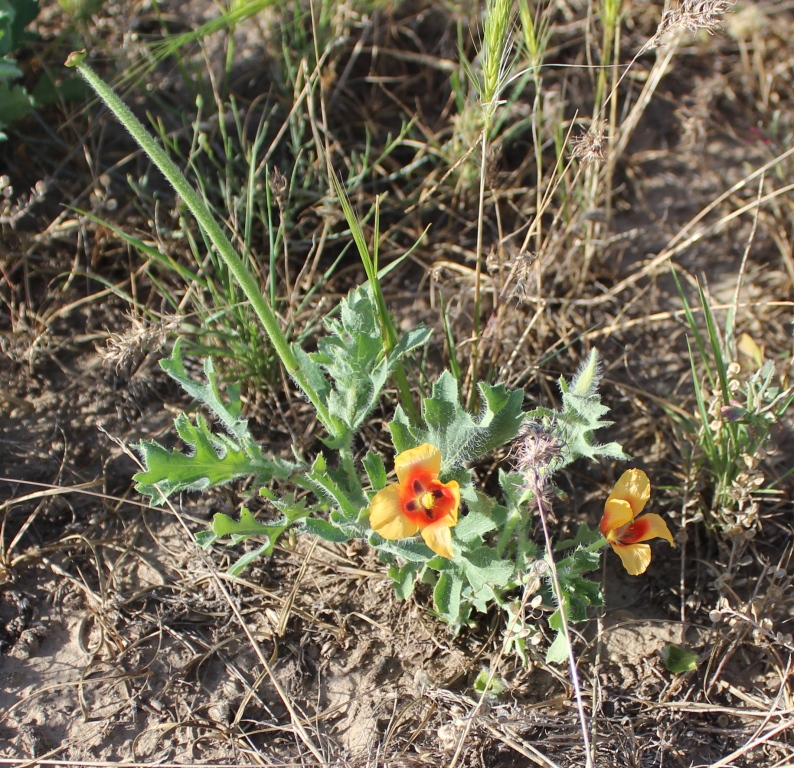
446	596
584	538
354	357
454	431
243	562
492	686
205	538
585	382
247	525
678	660
376	471
581	415
325	530
558	650
15	103
214	461
208	392
8	70
413	550
470	529
320	480
403	580
483	567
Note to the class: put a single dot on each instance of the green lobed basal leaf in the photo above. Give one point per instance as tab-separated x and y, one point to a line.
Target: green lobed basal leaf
212	459
454	431
248	525
208	393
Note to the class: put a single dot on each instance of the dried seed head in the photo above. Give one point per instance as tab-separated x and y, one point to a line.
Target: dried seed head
590	147
692	15
538	451
278	185
537	448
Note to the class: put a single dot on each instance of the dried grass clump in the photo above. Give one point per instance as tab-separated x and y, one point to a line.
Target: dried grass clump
141	338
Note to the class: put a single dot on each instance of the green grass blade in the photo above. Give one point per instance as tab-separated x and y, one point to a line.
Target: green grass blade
716	346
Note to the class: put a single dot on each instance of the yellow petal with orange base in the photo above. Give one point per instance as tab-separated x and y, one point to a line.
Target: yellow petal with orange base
425	458
386	515
439	538
651	526
635	557
633	487
617	513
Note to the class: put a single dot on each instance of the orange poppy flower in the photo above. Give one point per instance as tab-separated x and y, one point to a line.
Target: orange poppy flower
420	502
621	527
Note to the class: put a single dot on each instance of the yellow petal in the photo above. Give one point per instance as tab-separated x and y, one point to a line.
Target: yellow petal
439	538
616	514
749	348
424	457
454	489
636	557
386	515
633	487
652	527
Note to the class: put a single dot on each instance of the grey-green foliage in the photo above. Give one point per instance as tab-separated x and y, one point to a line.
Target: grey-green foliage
459	435
581	415
351	366
212	458
492	546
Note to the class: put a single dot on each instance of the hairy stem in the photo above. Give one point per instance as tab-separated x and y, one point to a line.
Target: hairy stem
208	223
577	689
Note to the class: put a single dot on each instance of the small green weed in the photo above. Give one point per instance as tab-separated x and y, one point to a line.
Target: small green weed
738	405
16	102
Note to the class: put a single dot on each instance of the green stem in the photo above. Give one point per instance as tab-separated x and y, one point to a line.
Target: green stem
207	222
510	525
478	267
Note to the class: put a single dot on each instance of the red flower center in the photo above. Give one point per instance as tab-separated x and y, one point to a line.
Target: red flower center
424	499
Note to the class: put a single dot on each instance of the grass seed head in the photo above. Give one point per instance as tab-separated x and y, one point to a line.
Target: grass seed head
692	15
590	147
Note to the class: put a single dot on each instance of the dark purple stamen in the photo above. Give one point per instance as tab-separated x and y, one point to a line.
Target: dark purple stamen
418	487
411	506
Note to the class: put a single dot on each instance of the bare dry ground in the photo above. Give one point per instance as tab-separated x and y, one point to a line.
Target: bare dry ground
123	642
